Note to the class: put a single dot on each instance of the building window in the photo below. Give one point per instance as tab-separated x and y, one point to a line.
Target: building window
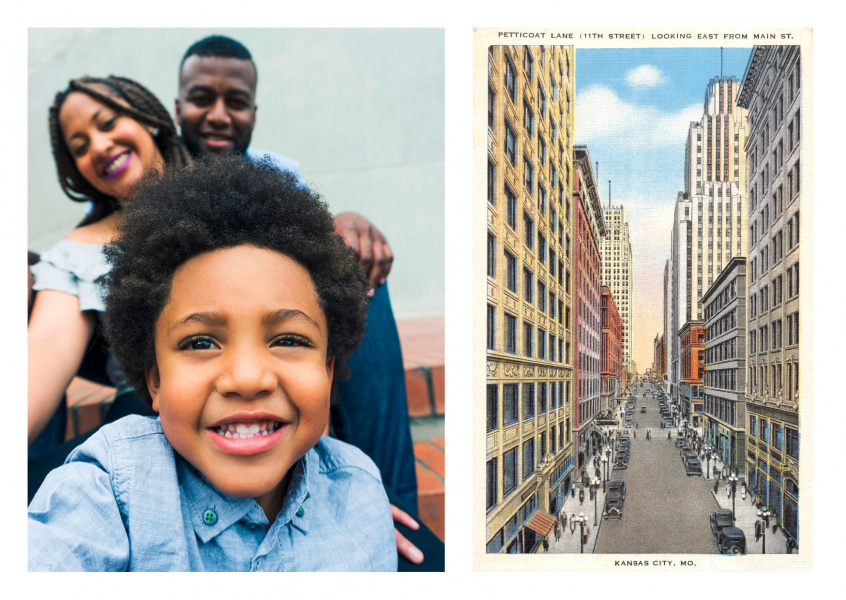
491	483
528	458
510	144
493	407
491	183
510	334
528	119
528	401
511	79
529	227
511	271
511	208
541	344
491	255
510	473
491	327
529	64
530	176
528	339
528	287
792	443
511	408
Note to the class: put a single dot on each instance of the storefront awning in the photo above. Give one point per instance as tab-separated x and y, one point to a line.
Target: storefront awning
541	523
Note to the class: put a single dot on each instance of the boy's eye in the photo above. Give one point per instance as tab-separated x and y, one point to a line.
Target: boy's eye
197	343
289	340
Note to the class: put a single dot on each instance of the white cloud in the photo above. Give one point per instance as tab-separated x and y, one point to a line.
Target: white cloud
645	76
601	115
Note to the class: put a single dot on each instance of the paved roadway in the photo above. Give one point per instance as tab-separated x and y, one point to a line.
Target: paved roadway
666	511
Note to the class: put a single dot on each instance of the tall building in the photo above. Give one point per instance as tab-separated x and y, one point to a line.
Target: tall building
612	352
725	370
710	220
618	273
530	322
773	95
691	398
589	228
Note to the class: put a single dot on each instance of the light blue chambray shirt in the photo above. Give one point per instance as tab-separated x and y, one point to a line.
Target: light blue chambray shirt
125	501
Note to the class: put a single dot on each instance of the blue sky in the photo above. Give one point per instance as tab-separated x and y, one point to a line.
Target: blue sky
633	109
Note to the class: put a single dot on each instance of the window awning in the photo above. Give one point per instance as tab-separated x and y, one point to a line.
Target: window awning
541	523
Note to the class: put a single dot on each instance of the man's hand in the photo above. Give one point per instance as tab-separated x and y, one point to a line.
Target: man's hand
404	547
370	246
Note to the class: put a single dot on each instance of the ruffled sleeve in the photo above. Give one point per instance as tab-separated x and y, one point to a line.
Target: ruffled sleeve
73	268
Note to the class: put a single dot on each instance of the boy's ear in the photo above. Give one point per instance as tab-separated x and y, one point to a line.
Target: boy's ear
330	367
151	375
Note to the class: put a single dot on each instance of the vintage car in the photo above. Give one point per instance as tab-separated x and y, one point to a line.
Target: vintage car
622	462
720	520
614	502
686	455
619	487
693	467
731	540
643	409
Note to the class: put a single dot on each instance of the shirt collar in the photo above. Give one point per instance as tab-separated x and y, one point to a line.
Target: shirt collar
203	500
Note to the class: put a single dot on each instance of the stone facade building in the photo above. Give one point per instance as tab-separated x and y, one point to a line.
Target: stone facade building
725	370
772	92
530	322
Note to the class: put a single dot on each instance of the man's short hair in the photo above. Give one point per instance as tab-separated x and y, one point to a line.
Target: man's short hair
218	46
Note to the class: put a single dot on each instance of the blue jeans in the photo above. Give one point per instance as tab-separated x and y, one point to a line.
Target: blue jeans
372	409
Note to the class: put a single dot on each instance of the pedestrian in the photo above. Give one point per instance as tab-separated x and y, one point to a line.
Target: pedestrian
573	492
716	485
669	435
545	545
587	534
564	521
790	545
581	496
728	490
557	530
572	524
635	434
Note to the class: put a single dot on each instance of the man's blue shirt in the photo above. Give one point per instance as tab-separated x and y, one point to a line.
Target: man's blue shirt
125	501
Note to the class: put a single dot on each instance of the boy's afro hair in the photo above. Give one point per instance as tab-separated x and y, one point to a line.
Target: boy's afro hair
222	202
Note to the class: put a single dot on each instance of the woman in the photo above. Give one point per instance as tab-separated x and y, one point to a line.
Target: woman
105	134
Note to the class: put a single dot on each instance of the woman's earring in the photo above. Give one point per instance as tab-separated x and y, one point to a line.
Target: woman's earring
155	132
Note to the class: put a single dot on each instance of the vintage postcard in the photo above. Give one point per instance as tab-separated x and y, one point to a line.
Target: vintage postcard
642	383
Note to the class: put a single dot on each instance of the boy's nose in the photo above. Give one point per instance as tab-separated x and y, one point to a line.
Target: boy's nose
246	374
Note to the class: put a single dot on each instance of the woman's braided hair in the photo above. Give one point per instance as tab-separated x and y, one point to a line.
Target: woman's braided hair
144	107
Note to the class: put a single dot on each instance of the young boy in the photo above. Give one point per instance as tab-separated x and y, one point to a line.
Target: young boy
233	331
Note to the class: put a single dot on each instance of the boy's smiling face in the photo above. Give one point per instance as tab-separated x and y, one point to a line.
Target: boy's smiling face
242	378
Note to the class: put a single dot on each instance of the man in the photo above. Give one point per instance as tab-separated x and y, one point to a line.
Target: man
216	112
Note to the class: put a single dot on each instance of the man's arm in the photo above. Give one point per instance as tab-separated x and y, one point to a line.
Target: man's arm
371	247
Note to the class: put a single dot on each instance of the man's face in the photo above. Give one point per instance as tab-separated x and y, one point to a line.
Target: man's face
216	105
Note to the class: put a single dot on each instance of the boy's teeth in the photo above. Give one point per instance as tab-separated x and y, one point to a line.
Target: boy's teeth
245	430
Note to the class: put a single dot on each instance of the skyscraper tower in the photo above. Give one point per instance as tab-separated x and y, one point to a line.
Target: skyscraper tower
710	220
618	272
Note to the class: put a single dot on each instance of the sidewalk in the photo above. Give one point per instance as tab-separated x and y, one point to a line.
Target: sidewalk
569	542
746	513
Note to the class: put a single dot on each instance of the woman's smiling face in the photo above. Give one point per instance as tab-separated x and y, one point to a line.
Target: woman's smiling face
242	379
111	150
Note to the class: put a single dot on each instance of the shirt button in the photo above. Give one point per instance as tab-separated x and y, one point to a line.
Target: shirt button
209	517
300	511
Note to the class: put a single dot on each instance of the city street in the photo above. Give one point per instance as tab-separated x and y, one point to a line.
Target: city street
666	511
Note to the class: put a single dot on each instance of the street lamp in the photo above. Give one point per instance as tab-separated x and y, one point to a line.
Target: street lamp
733	479
595	498
581	521
764	515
